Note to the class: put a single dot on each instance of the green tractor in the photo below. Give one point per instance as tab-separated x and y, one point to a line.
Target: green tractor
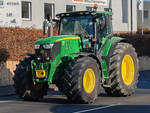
82	58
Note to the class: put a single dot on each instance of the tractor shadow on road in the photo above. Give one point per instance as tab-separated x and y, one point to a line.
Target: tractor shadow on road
55	97
100	109
55	100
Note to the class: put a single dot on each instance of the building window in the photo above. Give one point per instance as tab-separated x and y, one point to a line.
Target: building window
145	14
70	8
89	8
125	11
1	3
26	10
49	11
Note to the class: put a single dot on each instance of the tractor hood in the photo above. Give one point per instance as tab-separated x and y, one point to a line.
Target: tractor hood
55	39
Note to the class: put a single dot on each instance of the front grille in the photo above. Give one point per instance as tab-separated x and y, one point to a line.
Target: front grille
45	55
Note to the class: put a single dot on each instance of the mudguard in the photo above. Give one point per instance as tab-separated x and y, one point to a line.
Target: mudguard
109	44
104	53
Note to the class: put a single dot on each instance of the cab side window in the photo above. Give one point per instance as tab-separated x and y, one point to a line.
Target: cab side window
101	26
109	24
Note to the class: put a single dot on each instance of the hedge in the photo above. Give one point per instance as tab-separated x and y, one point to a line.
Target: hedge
16	41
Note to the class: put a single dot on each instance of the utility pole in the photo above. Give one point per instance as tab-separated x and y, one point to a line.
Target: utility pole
131	7
142	17
110	4
141	8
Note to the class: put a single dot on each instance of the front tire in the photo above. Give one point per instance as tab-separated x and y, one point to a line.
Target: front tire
23	82
123	70
81	80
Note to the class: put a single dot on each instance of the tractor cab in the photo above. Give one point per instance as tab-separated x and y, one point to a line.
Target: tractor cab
90	26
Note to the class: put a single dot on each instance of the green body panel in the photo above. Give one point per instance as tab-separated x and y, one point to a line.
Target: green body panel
103	40
104	69
67	48
54	39
107	43
69	45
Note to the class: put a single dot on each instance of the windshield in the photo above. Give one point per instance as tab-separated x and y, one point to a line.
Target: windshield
81	25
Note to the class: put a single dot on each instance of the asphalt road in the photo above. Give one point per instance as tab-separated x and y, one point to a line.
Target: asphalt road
57	103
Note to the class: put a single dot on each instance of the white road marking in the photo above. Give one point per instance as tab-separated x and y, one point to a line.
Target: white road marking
99	108
7	101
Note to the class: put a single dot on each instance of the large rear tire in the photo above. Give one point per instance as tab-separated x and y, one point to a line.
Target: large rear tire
123	70
80	81
23	82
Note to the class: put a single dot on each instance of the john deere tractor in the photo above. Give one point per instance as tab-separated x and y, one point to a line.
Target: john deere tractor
82	58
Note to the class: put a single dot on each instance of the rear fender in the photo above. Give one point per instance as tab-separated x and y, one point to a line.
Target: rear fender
104	53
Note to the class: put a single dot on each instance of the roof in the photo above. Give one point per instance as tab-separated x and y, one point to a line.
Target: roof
78	13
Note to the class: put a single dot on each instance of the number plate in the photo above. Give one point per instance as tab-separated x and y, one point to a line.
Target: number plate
40	73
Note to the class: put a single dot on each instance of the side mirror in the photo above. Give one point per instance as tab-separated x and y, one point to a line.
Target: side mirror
45	25
48	26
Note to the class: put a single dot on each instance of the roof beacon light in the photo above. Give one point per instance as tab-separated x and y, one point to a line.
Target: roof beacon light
95	6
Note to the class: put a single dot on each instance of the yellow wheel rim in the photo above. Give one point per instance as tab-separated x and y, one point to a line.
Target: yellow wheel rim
127	69
89	80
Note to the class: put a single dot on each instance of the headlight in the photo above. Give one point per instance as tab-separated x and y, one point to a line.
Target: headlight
36	46
48	46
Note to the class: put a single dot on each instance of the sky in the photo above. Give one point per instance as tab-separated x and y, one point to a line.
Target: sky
145	0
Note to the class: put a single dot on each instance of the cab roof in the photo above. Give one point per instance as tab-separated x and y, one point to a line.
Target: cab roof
80	13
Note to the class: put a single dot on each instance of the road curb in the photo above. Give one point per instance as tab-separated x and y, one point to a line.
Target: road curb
7	95
7	91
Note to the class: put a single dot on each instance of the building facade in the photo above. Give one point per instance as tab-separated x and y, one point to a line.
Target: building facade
124	15
146	18
34	12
